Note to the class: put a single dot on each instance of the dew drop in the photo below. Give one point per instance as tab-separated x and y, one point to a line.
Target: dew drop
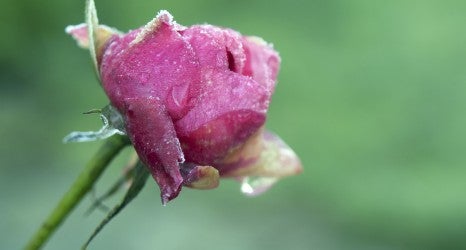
253	186
246	188
179	94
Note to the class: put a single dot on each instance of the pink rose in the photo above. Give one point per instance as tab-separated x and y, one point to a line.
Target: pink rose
194	101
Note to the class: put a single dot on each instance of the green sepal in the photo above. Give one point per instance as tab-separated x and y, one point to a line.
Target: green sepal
92	25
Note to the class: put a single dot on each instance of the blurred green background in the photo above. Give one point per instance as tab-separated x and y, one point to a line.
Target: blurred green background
371	95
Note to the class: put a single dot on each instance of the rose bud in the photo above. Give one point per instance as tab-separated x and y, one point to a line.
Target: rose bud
193	100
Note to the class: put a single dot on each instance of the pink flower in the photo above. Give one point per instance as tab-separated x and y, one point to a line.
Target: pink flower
194	101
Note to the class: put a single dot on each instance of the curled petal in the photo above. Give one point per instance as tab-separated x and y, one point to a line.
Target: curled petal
277	158
262	61
245	159
231	106
228	112
153	135
153	61
199	177
217	48
150	75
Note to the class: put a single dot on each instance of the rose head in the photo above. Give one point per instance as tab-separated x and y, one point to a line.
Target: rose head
194	101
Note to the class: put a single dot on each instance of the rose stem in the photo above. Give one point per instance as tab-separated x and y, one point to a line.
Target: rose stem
78	189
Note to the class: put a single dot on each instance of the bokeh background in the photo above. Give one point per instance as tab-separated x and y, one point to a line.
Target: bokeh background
371	95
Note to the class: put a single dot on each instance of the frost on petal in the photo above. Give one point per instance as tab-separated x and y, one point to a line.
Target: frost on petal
230	106
262	61
160	64
200	92
150	28
199	177
153	135
217	48
79	33
228	112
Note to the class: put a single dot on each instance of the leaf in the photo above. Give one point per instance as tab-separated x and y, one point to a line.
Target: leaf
140	178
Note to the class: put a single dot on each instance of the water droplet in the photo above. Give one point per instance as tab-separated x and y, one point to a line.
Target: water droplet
253	186
179	93
246	188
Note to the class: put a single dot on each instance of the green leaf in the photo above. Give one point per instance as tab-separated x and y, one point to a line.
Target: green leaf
140	178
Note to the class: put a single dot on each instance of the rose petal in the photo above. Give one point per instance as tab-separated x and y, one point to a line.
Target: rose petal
262	61
217	48
153	135
277	158
231	109
230	106
199	177
153	61
264	155
244	160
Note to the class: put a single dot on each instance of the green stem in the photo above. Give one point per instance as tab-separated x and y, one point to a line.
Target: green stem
80	187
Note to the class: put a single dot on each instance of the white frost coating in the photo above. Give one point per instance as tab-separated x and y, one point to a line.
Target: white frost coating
113	124
258	40
69	29
79	33
178	145
153	25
